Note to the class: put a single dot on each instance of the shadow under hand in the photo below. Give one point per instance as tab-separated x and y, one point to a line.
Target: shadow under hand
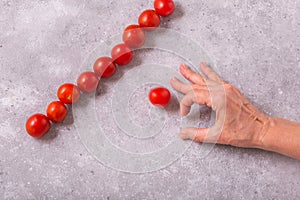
206	117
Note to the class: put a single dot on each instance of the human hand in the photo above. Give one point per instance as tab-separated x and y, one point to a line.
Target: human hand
238	122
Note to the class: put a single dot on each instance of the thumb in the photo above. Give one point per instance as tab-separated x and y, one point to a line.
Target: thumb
207	135
195	134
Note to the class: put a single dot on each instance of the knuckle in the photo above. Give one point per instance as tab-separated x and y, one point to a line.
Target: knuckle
180	87
198	88
195	87
198	138
198	96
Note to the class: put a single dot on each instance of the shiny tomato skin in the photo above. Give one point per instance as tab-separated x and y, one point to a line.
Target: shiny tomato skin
121	54
159	96
134	36
149	20
87	82
56	111
164	7
37	125
68	93
104	67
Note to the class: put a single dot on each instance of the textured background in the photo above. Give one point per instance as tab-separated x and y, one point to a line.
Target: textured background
255	45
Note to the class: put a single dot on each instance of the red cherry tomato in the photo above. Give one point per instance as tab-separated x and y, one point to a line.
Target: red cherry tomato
149	20
68	93
121	54
56	111
159	96
37	125
87	82
164	7
134	36
104	67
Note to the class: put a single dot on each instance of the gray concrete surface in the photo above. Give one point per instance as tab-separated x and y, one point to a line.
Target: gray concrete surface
255	45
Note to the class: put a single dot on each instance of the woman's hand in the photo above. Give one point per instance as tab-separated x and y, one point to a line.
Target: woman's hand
238	122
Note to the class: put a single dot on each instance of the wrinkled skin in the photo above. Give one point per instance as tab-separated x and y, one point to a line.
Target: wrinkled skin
238	122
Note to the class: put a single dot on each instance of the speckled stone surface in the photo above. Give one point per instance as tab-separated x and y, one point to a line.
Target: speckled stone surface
255	45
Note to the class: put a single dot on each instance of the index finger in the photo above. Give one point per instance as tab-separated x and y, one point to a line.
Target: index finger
200	96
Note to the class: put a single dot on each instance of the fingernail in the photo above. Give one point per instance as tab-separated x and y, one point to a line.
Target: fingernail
184	66
181	135
173	78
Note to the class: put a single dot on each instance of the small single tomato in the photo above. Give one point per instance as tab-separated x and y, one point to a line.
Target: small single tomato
68	93
159	96
164	7
56	111
149	20
134	36
87	82
104	67
37	125
121	54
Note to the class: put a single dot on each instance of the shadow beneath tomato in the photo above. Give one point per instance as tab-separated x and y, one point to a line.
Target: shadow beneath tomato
52	134
57	127
104	82
101	89
121	70
173	106
178	13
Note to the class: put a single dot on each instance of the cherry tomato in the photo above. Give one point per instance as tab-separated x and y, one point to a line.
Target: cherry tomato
87	82
68	93
134	36
149	20
159	96
121	54
104	67
37	125
56	111
164	7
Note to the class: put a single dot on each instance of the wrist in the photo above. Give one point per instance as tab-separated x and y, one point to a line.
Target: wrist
276	134
282	136
262	128
266	137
